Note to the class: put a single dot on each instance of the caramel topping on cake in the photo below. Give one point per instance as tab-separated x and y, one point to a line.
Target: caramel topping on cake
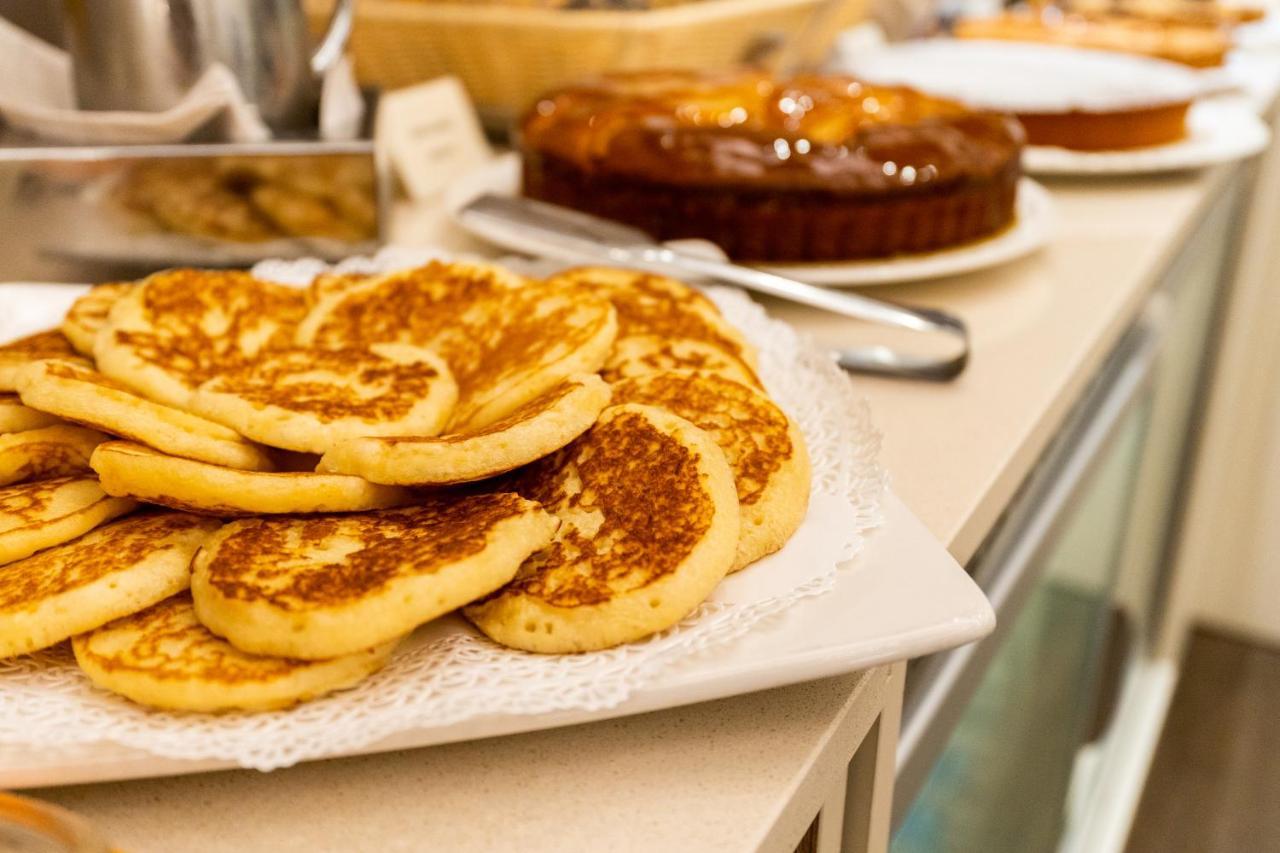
824	133
750	429
200	321
298	563
633	506
168	642
94	555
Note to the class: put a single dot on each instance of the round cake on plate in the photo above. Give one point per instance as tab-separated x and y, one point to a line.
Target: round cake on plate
1195	45
1084	100
808	168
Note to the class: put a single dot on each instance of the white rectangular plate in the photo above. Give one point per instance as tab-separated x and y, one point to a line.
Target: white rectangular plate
904	597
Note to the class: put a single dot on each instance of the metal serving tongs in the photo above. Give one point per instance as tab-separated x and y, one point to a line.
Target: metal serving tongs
590	237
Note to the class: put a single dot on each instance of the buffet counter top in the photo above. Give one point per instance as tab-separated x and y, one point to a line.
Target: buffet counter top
1040	327
751	772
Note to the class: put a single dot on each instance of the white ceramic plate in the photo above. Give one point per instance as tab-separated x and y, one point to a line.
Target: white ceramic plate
1030	231
1022	77
1220	130
906	598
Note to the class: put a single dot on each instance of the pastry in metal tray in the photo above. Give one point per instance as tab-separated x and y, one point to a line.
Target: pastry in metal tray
118	569
163	657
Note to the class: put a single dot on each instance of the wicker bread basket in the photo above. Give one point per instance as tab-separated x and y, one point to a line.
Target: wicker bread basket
507	55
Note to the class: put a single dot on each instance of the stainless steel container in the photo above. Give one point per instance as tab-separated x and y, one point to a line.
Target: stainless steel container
146	54
88	214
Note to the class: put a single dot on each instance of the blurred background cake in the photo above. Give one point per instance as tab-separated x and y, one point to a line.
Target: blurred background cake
810	168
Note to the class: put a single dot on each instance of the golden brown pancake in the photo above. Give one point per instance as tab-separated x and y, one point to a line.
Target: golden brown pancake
45	513
309	399
118	569
164	658
88	315
649	526
539	427
641	354
129	469
321	587
657	306
85	396
181	327
15	417
764	447
506	340
18	354
52	451
331	284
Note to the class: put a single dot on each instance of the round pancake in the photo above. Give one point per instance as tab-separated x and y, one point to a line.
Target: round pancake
87	397
764	447
308	399
326	586
657	306
539	427
649	526
130	469
118	569
18	354
331	284
52	451
179	328
507	340
15	417
88	315
641	354
411	306
45	513
164	658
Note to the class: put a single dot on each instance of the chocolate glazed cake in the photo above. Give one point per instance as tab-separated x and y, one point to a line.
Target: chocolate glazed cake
811	168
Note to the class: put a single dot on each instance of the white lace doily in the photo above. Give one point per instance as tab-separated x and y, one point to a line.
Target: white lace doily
447	673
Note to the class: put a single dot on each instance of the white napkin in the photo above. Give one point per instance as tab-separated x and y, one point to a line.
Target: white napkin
37	95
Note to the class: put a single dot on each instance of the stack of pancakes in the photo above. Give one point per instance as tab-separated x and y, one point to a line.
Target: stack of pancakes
231	494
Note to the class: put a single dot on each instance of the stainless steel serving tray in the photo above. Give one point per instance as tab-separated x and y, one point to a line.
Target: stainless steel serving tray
94	213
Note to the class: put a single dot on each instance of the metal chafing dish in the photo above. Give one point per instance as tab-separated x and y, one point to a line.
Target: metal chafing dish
73	213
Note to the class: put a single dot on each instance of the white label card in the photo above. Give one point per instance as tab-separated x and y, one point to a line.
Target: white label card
430	135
